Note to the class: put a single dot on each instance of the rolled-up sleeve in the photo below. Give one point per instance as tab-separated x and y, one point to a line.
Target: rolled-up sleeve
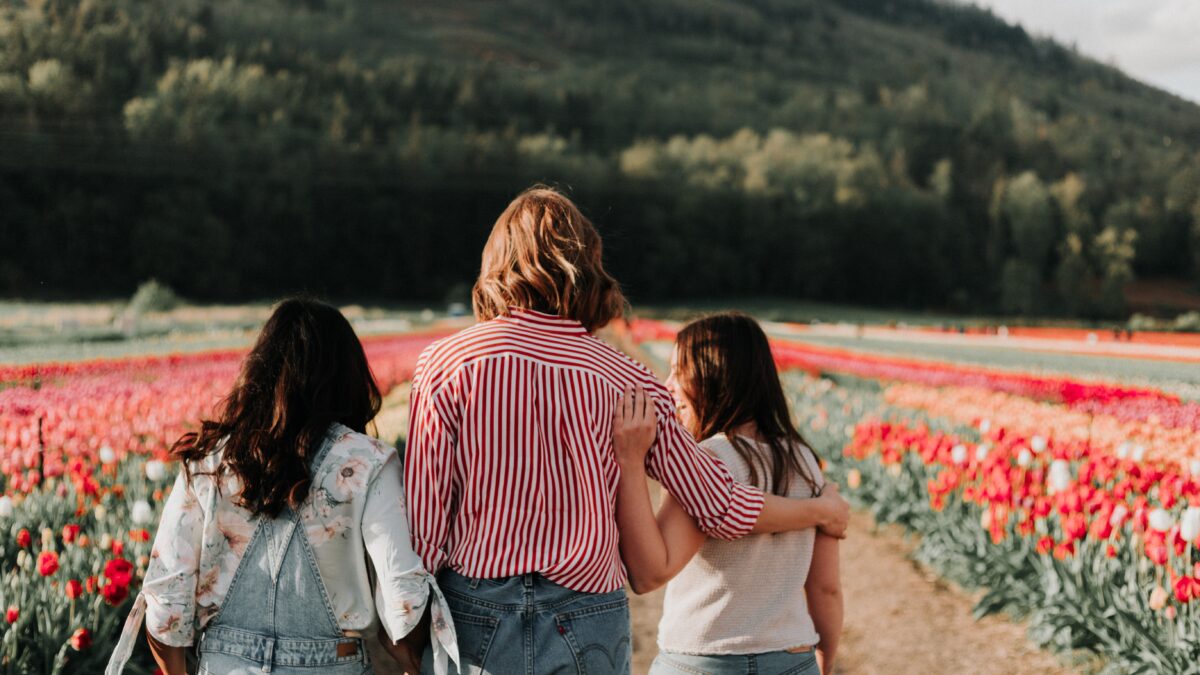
427	472
722	507
403	586
169	588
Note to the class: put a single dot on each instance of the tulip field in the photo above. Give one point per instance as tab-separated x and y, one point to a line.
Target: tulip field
1069	500
1072	502
83	454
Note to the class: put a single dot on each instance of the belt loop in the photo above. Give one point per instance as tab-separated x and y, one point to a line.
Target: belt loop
270	656
528	579
473	583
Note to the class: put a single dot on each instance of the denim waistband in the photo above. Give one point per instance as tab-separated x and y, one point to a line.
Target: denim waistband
268	650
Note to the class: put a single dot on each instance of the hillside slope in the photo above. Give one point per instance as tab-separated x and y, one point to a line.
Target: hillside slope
886	151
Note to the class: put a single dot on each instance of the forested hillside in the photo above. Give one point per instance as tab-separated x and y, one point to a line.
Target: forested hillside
902	152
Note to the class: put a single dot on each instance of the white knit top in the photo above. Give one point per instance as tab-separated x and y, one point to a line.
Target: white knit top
744	596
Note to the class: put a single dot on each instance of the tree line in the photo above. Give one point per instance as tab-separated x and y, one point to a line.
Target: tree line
805	149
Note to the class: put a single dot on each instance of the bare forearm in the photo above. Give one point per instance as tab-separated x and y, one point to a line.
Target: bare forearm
826	611
172	660
781	514
643	548
824	592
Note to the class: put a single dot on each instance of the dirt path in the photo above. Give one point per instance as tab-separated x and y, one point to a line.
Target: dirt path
900	619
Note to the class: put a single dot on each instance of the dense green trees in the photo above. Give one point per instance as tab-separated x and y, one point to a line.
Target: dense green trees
906	152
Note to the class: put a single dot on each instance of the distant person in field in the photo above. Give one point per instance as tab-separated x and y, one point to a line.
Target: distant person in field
509	466
765	604
280	545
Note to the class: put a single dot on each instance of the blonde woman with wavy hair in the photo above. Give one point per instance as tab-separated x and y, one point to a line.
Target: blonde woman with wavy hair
510	471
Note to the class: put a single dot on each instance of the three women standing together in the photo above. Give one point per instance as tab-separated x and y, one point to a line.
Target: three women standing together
289	536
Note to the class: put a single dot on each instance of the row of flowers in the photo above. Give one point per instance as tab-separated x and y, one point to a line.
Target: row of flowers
139	406
817	359
1143	442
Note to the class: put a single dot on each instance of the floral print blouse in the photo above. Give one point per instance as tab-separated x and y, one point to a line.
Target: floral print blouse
356	511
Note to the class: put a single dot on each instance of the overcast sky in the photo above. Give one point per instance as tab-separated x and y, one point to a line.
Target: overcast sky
1157	41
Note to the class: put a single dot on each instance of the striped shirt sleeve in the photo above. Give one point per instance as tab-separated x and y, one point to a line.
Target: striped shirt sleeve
722	507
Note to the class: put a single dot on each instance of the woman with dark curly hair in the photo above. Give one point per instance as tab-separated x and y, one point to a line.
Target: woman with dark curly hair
284	539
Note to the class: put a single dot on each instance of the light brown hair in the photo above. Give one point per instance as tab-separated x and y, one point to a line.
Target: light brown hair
725	367
544	255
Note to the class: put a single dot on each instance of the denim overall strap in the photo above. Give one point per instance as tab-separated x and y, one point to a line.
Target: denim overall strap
277	615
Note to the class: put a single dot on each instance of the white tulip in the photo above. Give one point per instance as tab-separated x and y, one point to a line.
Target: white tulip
100	512
1038	443
1139	453
982	451
141	512
958	454
1024	458
1189	524
1194	467
6	507
155	470
1059	478
1161	520
1123	450
107	455
985	426
1118	515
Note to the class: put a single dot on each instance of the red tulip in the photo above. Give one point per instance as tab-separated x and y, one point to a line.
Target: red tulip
92	584
114	593
81	639
1187	589
12	614
1045	545
119	571
74	589
24	539
69	533
47	563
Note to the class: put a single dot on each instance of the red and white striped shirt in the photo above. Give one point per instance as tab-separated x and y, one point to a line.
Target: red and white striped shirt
510	469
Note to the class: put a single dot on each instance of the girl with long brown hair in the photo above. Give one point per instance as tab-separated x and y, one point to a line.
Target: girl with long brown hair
766	603
284	540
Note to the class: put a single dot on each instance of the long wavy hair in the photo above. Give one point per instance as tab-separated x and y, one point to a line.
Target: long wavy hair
306	371
544	255
725	368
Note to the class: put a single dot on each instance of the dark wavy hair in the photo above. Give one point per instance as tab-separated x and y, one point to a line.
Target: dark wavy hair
725	367
306	371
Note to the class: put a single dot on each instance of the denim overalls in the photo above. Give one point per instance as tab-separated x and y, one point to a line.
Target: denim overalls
277	617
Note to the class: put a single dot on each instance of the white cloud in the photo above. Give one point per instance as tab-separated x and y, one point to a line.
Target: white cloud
1154	40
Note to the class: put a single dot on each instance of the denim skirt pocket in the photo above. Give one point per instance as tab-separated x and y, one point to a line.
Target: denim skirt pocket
598	636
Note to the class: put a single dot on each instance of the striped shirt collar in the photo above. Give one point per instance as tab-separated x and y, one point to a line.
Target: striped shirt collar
542	321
